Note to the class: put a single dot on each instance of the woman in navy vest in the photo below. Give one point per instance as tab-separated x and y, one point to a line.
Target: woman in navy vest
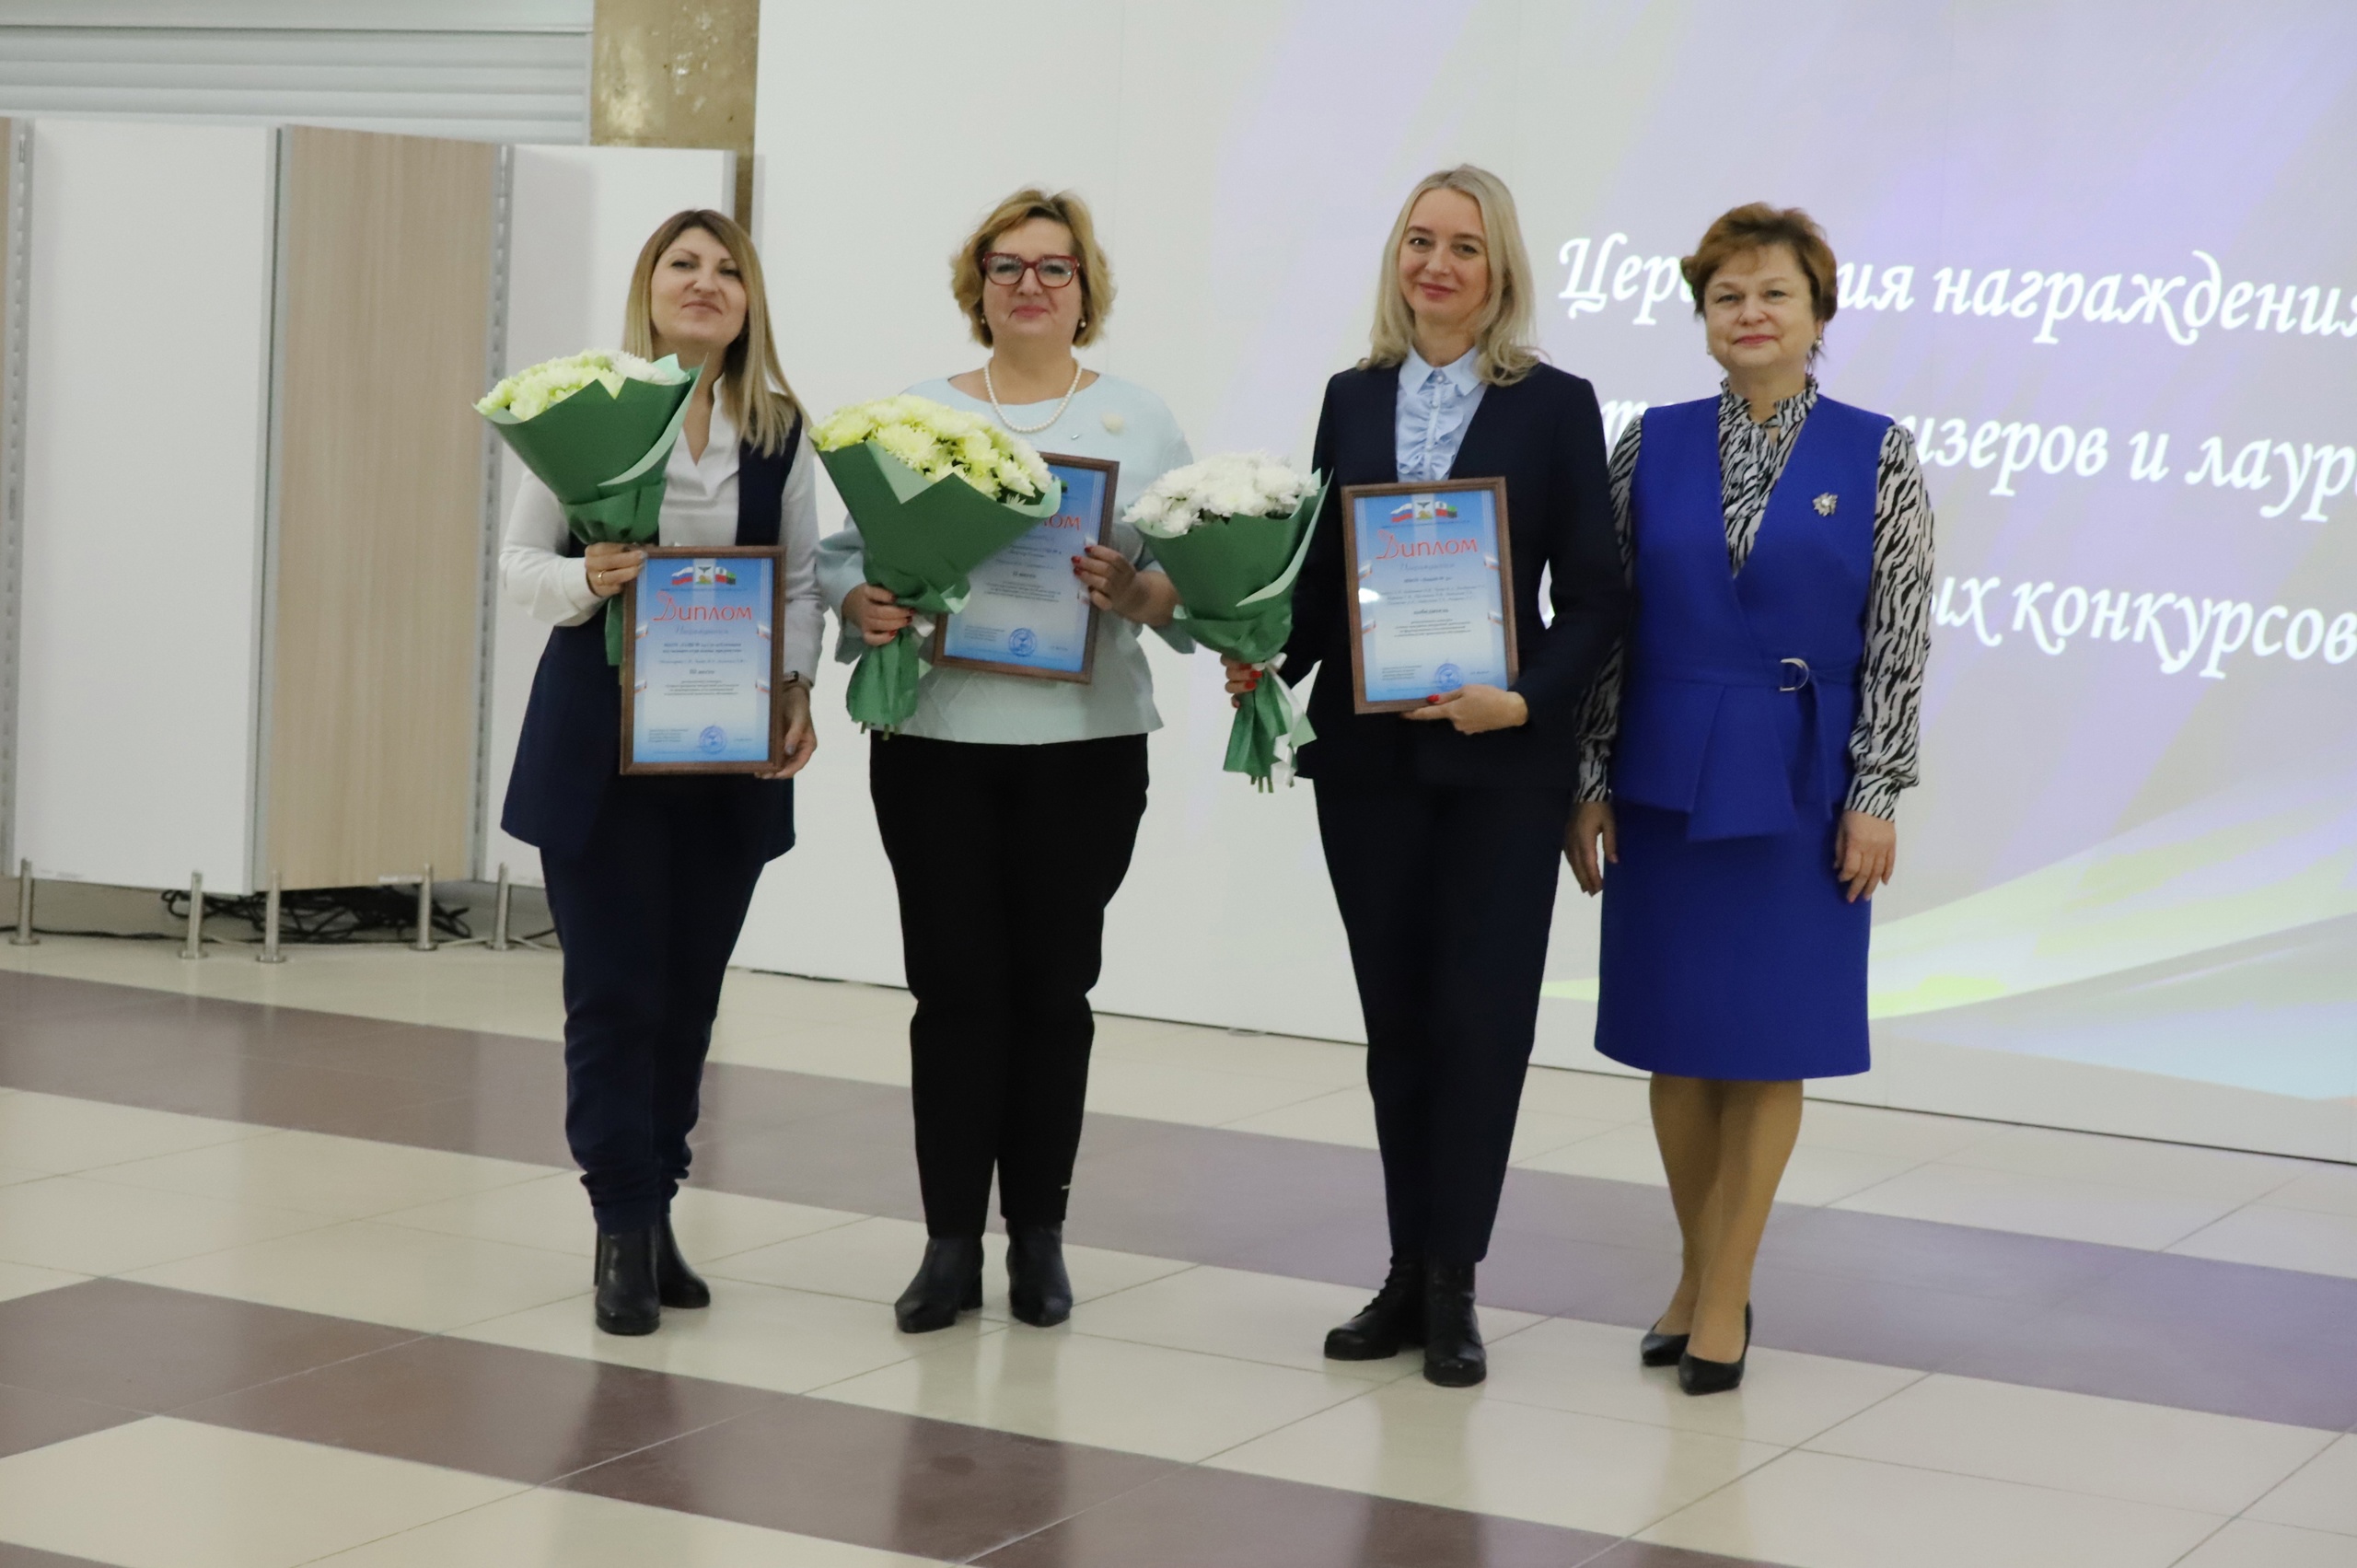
1442	826
1744	758
649	876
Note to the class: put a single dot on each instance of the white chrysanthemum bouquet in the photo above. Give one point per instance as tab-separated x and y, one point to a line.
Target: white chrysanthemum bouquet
528	392
1231	532
936	492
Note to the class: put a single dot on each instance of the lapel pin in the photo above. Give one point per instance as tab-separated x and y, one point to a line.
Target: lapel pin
1113	422
1825	505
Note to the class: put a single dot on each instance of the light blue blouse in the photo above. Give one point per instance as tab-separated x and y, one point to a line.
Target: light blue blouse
1109	419
1435	406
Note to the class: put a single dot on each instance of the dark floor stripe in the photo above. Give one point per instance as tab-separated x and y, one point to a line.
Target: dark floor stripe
2271	1344
15	1556
780	1461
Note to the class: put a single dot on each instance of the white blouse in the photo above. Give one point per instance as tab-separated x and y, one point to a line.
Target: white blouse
699	507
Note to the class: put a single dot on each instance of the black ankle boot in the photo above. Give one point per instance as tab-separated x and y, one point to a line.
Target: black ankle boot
628	1302
1453	1354
676	1283
1394	1320
1039	1292
948	1281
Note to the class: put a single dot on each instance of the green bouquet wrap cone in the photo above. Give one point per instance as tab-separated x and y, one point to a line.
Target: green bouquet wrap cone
921	537
602	455
1235	581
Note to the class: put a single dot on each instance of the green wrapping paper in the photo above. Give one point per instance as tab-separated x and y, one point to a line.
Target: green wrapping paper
1235	581
576	447
921	538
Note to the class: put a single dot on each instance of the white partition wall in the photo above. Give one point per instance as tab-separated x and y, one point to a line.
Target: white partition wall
578	217
149	348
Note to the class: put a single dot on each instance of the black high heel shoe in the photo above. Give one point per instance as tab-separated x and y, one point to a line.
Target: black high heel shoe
1695	1375
628	1301
675	1282
1038	1291
1394	1320
1658	1349
948	1281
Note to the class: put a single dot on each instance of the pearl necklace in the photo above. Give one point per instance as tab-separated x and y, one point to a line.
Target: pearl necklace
1030	429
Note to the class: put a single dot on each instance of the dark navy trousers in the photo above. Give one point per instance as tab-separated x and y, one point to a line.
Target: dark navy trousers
648	914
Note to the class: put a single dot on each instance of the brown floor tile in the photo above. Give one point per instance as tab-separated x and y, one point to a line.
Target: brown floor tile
13	1556
872	1478
140	1348
514	1413
24	998
31	1419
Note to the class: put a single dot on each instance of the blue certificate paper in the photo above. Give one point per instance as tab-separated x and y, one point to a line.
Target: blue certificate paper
1028	614
1430	571
700	663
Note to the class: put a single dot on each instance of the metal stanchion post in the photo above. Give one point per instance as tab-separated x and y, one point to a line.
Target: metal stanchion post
24	936
270	953
499	906
195	945
424	943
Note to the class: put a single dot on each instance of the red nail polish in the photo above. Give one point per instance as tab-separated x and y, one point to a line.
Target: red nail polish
1434	698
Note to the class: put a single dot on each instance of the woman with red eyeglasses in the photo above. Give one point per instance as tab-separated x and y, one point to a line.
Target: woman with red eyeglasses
1008	806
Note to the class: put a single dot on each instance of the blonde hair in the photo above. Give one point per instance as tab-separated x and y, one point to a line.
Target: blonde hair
753	386
1505	336
1064	207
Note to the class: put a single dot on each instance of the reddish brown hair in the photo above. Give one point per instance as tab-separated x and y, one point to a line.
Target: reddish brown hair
1758	227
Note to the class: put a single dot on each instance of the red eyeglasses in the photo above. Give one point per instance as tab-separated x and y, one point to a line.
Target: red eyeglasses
1006	270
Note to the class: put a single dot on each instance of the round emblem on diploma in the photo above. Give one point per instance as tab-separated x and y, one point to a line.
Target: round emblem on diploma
1449	678
713	739
1021	641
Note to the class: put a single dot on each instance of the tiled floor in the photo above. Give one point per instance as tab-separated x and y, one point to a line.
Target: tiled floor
292	1271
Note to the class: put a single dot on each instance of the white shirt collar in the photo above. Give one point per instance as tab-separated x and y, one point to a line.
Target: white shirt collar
1457	373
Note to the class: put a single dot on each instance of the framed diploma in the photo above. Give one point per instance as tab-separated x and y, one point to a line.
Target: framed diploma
701	661
1028	614
1431	587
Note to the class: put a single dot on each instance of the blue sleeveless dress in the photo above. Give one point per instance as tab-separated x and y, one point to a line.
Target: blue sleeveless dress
1728	949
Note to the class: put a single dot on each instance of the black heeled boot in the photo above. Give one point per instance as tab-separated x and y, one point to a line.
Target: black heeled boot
677	1285
1038	1291
1658	1349
1453	1354
948	1281
628	1302
1695	1375
1394	1320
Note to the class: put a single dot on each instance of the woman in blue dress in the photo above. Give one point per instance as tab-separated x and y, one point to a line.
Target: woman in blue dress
1744	754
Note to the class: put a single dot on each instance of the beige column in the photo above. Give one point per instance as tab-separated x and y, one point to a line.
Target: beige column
678	73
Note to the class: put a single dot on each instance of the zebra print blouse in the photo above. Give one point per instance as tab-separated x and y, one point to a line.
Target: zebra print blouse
1898	606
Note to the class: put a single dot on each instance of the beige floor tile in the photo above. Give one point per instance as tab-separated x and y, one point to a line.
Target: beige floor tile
751	1002
23	1279
2247	1543
871	1258
545	1528
1591	1368
2038	1205
1461	1450
2221	1175
1328	1063
162	1493
1830	1512
869	1053
2279	1238
2322	1188
2212	1464
1872	1130
1626	1152
1347	1116
382	1273
347	1177
1254	1316
1817	1176
551	1213
10	1174
1196	1095
98	1228
55	1134
1079	1388
787	1340
2322	1496
1600	1097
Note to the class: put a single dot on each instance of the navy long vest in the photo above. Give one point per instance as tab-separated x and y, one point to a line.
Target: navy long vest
569	752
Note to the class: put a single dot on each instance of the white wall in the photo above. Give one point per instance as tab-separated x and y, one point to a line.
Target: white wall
148	342
580	214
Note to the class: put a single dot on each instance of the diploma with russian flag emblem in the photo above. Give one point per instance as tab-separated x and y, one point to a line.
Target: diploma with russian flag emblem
1431	602
701	662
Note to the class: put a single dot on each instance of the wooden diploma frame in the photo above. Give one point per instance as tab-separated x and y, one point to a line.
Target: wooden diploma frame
703	660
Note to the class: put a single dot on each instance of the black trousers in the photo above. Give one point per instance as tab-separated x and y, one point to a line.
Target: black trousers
648	915
1006	858
1447	896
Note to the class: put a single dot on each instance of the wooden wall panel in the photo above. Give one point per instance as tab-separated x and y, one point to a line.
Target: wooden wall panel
385	290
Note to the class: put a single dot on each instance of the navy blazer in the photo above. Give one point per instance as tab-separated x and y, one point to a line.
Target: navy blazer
1544	436
572	745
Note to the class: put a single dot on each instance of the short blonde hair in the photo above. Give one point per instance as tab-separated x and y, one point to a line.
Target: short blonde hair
752	384
1064	207
1504	337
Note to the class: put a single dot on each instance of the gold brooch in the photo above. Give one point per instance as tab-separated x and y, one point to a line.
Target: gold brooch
1825	505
